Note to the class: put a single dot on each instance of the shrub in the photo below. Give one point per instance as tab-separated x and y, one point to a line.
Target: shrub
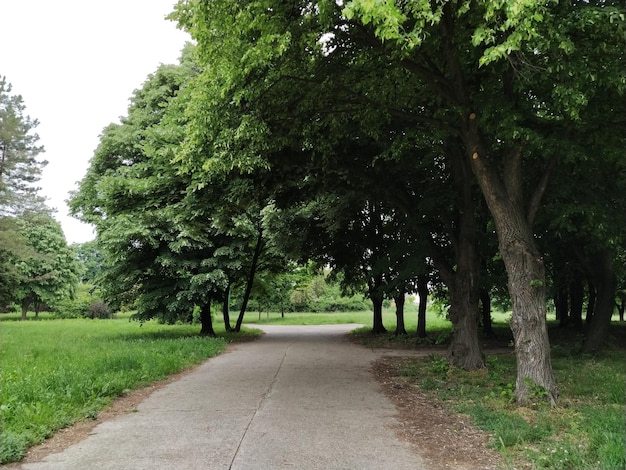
99	309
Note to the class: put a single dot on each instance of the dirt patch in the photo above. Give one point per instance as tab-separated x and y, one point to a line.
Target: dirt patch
445	440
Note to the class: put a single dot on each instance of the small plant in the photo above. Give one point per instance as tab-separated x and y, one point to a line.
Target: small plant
439	365
536	391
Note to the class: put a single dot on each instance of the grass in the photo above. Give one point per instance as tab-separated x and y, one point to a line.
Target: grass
57	372
585	431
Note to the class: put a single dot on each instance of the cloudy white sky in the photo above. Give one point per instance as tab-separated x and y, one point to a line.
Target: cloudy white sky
76	64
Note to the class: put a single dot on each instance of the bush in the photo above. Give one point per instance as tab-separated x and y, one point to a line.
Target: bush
99	310
85	304
78	307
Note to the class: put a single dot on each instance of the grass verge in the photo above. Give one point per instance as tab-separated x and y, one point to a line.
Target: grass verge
585	431
55	373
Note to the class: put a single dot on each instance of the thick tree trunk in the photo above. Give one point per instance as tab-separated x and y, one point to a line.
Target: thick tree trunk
25	305
465	349
485	301
399	300
206	320
226	309
463	281
422	292
253	266
577	296
605	281
377	323
524	265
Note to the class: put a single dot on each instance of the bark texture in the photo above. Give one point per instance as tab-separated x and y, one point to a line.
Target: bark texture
523	263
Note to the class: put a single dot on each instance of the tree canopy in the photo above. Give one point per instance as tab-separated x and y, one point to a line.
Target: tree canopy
379	138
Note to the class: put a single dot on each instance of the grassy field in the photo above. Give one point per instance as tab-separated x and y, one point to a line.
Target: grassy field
59	371
433	320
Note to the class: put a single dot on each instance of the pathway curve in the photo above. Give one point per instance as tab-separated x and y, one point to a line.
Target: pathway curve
300	397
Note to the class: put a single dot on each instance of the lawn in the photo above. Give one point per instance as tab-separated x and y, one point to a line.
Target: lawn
585	431
55	372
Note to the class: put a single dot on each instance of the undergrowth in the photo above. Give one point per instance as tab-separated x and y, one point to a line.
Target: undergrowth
585	431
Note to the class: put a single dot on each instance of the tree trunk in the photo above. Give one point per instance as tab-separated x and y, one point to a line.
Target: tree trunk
377	323
253	266
422	292
226	309
605	281
206	320
622	304
463	280
591	303
561	306
399	300
523	263
465	349
526	282
485	301
25	305
577	296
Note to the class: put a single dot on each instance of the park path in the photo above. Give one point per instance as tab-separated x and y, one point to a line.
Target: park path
300	397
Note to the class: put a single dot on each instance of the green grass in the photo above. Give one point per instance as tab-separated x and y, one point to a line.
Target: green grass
57	372
433	321
585	431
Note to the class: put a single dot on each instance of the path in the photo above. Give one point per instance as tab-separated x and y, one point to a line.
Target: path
298	398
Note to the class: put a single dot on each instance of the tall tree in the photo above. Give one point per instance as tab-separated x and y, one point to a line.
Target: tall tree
20	167
326	102
50	272
495	66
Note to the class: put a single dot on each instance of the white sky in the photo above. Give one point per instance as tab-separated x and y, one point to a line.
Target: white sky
76	64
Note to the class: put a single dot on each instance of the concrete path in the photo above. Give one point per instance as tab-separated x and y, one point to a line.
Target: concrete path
301	397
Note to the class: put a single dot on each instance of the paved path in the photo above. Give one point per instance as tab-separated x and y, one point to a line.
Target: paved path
301	397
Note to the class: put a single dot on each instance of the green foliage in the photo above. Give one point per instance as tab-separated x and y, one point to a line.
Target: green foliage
49	273
78	306
57	372
19	164
91	260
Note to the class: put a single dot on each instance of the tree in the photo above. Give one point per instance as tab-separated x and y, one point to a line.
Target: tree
91	259
318	102
173	237
19	165
495	66
50	273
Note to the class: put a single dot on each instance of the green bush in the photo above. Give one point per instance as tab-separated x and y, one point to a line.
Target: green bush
99	310
81	305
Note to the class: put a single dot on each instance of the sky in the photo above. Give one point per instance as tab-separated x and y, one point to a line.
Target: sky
76	63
